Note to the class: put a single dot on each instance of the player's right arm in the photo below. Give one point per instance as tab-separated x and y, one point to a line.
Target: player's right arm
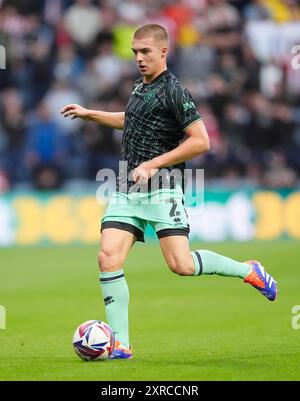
109	119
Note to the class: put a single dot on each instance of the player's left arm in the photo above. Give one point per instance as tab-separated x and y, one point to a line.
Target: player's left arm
196	142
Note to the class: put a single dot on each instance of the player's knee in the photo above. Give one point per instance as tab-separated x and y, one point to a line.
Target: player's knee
109	260
181	267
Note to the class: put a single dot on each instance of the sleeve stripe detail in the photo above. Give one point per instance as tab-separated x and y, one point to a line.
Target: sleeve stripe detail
192	122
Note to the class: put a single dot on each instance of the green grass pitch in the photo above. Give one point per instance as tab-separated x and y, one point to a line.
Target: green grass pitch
182	328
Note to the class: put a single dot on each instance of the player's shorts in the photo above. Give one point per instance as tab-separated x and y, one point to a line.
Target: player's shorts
163	209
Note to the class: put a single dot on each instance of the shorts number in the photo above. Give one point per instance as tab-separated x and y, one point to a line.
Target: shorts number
173	208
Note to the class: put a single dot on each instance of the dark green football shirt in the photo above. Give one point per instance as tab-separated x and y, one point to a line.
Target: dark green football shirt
155	118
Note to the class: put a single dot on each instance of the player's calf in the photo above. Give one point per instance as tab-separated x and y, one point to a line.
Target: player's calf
181	266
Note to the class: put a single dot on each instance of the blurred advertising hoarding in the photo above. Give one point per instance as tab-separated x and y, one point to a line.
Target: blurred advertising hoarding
64	218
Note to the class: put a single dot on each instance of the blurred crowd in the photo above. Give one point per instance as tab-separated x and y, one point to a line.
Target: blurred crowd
238	59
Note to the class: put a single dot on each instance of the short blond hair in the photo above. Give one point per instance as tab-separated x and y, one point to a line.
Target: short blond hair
156	31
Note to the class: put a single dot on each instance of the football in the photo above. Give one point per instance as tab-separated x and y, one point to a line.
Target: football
93	340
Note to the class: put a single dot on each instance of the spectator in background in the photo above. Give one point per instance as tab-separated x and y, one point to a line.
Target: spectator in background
63	91
4	182
3	152
87	83
204	61
257	10
231	75
46	148
221	14
53	10
40	73
83	21
108	67
180	13
278	174
251	67
109	15
13	126
123	32
284	10
154	14
69	65
133	8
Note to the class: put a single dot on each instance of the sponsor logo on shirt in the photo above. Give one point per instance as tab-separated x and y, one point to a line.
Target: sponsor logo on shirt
188	105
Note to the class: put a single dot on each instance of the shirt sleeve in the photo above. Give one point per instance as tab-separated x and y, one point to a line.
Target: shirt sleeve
182	105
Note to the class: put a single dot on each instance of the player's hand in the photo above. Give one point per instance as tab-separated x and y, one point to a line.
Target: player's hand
75	111
143	172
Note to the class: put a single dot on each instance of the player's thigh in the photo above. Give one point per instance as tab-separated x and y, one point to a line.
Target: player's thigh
114	247
176	251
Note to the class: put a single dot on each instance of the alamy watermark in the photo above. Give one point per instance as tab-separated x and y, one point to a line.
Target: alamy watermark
296	318
2	317
162	183
296	58
2	58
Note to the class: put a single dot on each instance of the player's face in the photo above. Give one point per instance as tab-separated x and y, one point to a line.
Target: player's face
150	55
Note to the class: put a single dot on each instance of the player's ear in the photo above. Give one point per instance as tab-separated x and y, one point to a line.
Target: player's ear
164	52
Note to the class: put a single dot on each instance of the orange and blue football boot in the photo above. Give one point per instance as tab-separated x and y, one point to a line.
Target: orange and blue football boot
121	352
261	280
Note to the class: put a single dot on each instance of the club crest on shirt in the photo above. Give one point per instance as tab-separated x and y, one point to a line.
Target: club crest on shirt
149	96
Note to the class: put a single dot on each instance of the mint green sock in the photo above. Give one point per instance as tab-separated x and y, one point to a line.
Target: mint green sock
116	298
207	262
